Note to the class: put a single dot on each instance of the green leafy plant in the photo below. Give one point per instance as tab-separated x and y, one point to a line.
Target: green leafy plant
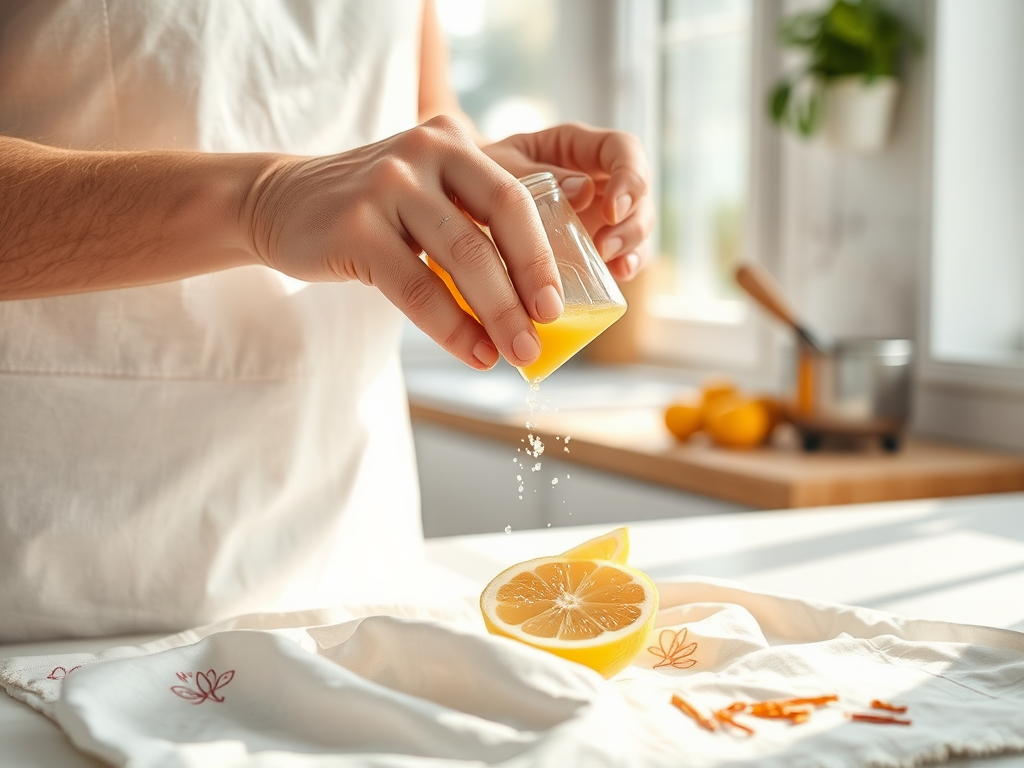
850	37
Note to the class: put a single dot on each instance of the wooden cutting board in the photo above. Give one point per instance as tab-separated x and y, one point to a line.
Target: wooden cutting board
634	443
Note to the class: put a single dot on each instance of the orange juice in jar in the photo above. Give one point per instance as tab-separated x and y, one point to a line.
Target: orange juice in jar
592	299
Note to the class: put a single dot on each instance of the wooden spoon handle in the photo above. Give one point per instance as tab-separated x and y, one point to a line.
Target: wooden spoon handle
756	281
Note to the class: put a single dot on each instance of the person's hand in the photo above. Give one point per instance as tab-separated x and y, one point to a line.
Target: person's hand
367	214
605	177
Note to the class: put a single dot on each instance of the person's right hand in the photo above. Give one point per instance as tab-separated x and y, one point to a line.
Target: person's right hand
367	214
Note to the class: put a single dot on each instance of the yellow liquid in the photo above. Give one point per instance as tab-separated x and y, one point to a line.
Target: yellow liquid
560	340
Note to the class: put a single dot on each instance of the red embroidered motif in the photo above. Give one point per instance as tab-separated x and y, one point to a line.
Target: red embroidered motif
208	683
672	650
59	673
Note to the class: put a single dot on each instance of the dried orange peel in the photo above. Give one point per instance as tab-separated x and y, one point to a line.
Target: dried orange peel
796	711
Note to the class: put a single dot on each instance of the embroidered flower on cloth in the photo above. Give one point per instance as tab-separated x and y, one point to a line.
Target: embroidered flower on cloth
59	673
208	683
673	650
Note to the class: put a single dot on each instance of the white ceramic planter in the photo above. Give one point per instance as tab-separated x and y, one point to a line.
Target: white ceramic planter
857	115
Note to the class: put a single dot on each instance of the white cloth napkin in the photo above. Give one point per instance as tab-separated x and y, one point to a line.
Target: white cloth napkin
425	686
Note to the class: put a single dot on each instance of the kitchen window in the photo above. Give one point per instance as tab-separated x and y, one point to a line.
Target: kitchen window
976	317
501	58
687	76
713	161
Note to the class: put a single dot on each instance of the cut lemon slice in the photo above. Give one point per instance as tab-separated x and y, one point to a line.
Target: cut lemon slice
612	546
594	612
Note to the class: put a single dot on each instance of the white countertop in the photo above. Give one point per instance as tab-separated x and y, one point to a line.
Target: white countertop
956	560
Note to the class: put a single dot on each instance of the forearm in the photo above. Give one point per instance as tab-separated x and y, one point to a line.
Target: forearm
73	221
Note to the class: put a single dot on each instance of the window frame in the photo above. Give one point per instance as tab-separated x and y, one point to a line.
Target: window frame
668	335
969	376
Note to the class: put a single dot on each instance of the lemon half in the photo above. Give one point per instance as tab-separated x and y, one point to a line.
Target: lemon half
596	612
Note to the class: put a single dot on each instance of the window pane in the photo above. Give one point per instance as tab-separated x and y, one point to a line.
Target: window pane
977	311
501	62
705	138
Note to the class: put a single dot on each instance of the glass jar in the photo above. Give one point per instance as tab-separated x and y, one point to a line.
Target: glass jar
593	300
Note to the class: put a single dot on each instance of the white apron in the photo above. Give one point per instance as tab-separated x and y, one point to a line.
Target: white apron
230	443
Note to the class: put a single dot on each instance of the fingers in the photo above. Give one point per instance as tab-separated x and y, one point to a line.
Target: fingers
423	297
494	197
625	268
604	174
620	239
612	156
579	188
461	249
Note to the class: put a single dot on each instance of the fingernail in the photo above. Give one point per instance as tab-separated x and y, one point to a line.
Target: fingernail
612	247
526	347
622	206
632	264
549	303
485	352
573	184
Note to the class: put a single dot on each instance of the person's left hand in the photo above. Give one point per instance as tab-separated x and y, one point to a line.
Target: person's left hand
605	177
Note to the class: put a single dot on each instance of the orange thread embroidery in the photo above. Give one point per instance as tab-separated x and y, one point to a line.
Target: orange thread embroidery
672	651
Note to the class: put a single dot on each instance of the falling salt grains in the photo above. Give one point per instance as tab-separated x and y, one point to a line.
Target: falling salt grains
535	467
554	481
508	529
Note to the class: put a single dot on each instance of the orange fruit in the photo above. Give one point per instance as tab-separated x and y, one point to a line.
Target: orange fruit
737	423
715	389
774	409
683	419
594	611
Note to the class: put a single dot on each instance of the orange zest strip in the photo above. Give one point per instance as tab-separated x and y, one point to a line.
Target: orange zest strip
795	710
880	719
795	716
816	701
877	704
687	709
726	716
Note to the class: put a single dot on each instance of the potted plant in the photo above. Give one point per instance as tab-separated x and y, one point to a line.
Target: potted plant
848	87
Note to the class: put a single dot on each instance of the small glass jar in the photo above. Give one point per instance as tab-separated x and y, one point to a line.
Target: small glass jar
593	300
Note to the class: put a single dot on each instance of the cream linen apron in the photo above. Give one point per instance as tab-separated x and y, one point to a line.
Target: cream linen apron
230	443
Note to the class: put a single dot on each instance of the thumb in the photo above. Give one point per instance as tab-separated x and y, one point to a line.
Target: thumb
578	187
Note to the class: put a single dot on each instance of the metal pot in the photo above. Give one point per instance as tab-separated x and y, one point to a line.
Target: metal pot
839	387
855	387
